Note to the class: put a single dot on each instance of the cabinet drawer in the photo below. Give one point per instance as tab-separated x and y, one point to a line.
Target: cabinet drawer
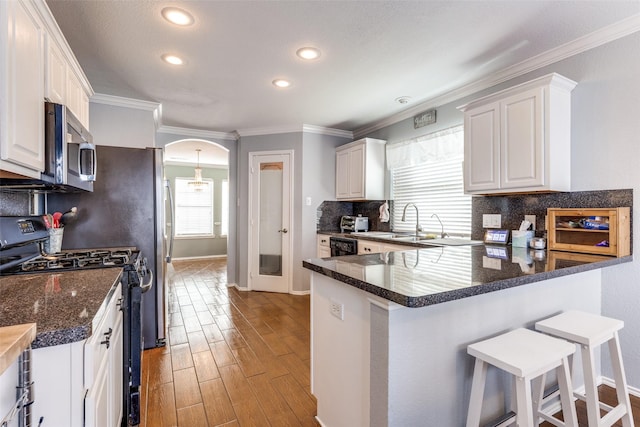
95	348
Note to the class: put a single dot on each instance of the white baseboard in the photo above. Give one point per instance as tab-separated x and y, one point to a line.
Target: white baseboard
240	288
300	292
191	258
320	422
633	391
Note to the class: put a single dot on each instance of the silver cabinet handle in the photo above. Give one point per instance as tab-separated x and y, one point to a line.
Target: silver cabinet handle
284	230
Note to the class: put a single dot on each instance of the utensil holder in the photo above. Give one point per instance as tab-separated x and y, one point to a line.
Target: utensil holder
54	244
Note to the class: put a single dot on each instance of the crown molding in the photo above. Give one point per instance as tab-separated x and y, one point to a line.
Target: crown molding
327	131
271	130
197	133
590	41
119	101
274	130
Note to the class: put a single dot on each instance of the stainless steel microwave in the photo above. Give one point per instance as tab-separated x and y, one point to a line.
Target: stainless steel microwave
69	155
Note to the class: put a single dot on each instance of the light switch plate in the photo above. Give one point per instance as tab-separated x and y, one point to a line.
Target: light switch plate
491	221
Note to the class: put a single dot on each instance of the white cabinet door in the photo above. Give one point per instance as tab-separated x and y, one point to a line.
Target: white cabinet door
522	140
357	158
103	368
74	95
97	400
22	89
360	170
482	148
115	372
342	174
519	139
323	246
55	73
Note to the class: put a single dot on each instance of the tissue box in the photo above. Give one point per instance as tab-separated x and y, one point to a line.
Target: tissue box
520	239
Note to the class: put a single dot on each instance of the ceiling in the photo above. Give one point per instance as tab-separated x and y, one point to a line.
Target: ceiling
373	52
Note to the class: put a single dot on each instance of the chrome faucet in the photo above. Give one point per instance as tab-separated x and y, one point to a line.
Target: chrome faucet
442	233
404	217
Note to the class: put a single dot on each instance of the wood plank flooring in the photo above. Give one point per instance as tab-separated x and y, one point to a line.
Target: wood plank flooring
232	359
239	359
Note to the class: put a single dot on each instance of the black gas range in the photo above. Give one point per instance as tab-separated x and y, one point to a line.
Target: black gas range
21	252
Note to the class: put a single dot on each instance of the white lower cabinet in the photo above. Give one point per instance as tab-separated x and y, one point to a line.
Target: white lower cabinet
80	384
103	369
324	247
369	247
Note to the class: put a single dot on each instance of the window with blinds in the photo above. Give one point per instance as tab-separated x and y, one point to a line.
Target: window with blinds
224	224
427	171
194	208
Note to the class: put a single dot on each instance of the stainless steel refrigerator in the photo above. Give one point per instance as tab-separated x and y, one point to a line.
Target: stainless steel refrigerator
126	208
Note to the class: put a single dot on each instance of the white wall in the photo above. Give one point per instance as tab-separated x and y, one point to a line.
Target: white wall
605	154
314	177
121	126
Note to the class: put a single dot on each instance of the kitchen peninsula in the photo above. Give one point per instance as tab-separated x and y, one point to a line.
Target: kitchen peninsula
389	331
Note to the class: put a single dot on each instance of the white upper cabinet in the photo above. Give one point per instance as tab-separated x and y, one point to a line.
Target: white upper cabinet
56	73
21	88
360	170
35	64
519	139
65	83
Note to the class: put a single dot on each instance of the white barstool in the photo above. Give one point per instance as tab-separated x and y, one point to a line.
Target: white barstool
526	355
590	331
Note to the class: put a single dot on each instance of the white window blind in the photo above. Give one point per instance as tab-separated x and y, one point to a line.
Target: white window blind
427	171
194	208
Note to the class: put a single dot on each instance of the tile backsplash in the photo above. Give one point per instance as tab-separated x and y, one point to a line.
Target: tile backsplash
513	208
14	203
330	212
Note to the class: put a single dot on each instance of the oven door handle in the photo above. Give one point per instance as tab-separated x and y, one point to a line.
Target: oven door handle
146	286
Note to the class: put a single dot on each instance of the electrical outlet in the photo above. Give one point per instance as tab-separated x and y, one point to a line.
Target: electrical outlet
531	219
337	309
491	220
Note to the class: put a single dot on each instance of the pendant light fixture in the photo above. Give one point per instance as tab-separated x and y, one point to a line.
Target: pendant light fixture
198	184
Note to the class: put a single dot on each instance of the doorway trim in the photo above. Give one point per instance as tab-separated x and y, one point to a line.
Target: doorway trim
250	229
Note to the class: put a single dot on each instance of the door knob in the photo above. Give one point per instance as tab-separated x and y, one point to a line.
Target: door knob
284	230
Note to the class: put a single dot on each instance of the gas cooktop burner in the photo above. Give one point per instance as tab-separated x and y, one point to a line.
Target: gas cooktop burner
79	259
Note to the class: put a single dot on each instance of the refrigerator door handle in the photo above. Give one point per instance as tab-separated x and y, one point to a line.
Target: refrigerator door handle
172	222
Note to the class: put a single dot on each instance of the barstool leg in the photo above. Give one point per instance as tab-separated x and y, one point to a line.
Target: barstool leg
566	394
591	388
477	393
524	412
621	381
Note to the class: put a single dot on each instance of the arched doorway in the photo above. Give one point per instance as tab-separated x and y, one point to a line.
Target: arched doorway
198	173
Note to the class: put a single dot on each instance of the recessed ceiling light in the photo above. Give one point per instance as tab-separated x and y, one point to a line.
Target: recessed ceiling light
281	83
308	53
172	59
177	16
403	100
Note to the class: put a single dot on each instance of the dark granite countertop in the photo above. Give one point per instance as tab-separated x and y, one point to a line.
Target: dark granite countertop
422	277
62	304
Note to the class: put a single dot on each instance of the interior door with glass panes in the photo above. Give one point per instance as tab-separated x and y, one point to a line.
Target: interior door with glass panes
270	237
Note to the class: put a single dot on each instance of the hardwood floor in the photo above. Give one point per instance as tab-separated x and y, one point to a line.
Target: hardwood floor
239	358
233	358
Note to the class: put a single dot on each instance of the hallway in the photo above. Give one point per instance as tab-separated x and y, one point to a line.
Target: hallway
232	358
